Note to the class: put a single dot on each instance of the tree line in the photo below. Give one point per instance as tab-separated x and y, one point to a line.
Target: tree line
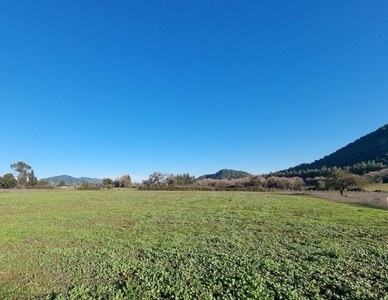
25	177
340	179
124	181
358	168
166	181
328	178
159	180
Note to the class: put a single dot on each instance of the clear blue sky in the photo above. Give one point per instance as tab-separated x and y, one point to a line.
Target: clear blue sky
105	88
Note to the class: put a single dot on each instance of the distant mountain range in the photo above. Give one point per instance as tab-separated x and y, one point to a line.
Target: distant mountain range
225	174
71	180
371	147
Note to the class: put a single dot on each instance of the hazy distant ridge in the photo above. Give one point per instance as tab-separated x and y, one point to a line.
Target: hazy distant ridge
71	180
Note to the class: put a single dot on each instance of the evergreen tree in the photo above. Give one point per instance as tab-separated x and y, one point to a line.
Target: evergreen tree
32	180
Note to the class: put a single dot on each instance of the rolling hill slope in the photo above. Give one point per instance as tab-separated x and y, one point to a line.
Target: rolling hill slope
371	147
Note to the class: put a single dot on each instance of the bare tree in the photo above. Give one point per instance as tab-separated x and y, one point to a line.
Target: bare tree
157	180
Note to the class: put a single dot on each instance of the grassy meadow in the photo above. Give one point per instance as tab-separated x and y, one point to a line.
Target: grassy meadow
127	244
377	187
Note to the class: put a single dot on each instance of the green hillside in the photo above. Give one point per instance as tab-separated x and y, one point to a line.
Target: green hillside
372	148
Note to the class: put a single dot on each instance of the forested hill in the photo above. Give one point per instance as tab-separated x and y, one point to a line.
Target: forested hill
225	174
371	148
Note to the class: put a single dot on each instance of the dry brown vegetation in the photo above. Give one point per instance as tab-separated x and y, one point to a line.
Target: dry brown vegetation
373	199
258	183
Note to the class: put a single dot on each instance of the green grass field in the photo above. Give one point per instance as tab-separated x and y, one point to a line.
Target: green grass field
125	244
